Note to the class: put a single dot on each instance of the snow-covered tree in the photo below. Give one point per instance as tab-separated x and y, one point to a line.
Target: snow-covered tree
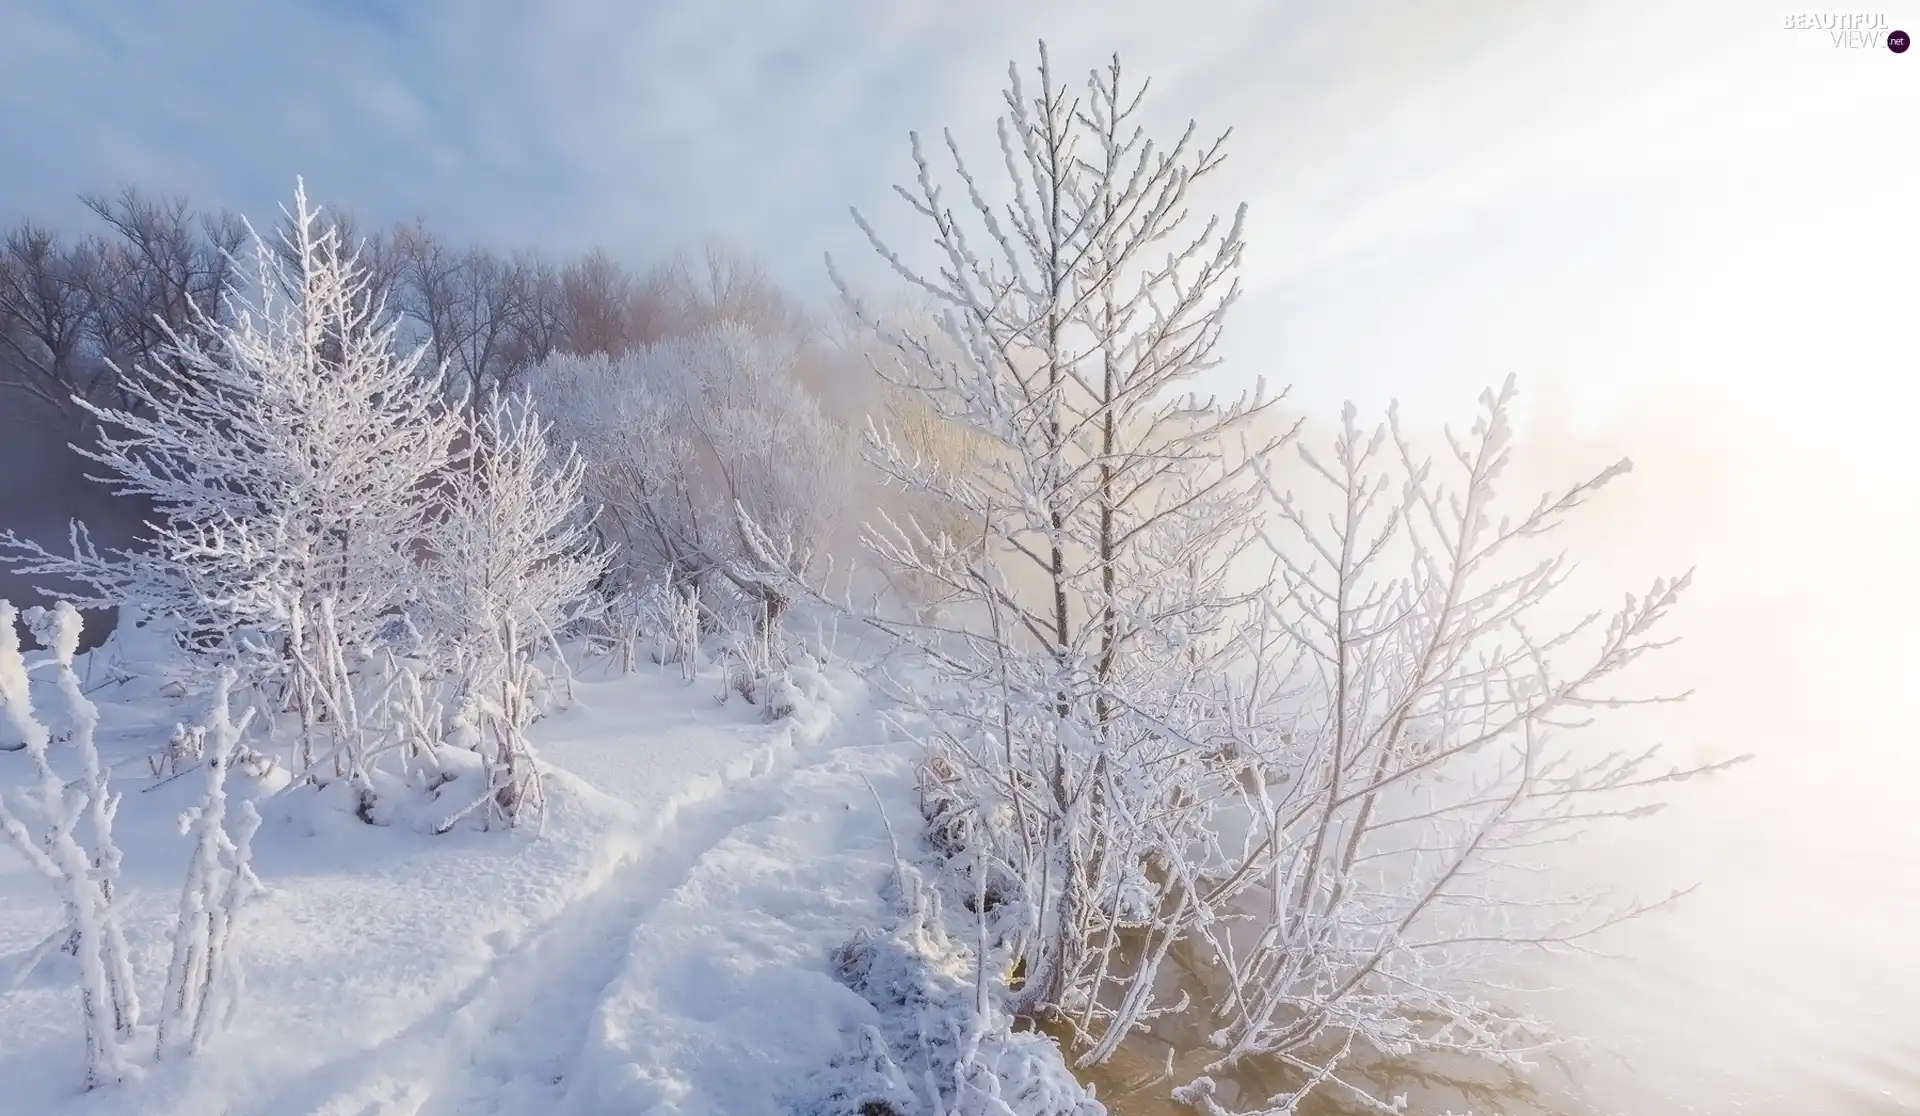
511	564
1324	793
683	436
286	450
1082	627
1422	681
63	828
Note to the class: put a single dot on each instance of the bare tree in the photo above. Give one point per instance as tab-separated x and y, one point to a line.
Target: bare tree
163	263
727	286
540	327
50	299
1327	793
606	310
485	317
1086	623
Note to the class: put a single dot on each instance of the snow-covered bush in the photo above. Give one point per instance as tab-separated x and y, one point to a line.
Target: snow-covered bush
510	565
679	629
511	538
941	1045
661	615
63	828
755	657
686	437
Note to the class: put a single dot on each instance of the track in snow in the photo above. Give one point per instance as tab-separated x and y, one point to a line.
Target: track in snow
508	1041
543	1001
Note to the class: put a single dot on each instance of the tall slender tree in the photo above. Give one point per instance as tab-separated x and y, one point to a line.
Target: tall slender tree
1108	508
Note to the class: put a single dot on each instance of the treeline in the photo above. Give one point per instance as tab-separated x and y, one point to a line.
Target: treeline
78	311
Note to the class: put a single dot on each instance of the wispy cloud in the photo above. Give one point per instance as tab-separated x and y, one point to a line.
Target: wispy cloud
1439	193
651	124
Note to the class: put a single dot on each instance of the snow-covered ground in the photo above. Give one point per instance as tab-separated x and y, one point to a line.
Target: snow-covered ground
666	945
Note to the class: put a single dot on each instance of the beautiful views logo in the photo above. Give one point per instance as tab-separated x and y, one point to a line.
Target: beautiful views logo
1852	30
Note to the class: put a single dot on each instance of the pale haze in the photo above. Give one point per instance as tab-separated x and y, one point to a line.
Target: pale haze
1691	233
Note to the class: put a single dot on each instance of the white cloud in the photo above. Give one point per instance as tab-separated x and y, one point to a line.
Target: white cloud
1438	197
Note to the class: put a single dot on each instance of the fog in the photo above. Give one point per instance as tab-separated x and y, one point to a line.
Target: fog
1784	981
1712	275
43	486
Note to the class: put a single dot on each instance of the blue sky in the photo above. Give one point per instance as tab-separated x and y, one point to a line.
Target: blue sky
1440	193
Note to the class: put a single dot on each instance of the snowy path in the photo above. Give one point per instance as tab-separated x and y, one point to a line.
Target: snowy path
539	1012
510	1044
661	948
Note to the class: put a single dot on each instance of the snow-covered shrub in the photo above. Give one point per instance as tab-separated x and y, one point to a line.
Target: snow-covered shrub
685	437
623	628
511	538
755	660
405	716
184	747
63	828
510	564
680	631
941	1046
660	616
203	977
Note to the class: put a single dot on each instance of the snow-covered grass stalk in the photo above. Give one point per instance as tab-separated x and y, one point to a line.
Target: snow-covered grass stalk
324	684
680	639
58	629
491	721
755	662
204	978
64	830
628	630
404	713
